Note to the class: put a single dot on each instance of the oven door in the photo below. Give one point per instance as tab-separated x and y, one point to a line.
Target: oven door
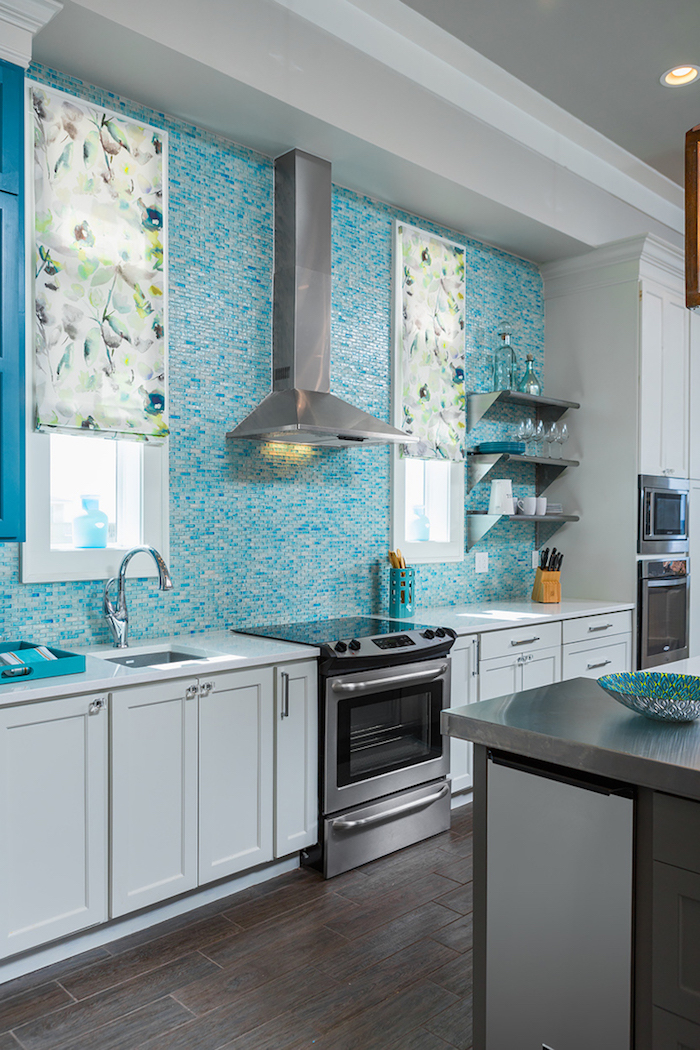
382	732
663	623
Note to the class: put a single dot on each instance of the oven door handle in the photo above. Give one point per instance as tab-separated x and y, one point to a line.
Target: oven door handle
342	824
379	683
669	581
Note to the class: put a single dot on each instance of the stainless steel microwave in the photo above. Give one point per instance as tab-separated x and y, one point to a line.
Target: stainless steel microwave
663	515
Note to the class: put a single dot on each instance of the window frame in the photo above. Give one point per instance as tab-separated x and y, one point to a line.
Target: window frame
426	550
40	563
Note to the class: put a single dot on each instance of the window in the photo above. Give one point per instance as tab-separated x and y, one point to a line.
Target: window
128	479
428	509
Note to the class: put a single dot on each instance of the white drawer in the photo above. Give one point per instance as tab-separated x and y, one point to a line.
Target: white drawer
592	660
519	639
585	627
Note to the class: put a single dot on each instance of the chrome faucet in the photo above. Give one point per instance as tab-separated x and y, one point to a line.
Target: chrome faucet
118	618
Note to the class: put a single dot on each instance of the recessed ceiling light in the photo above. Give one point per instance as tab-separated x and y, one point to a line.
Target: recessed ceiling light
680	75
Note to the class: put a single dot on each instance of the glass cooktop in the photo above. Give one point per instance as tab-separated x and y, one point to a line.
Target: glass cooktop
323	632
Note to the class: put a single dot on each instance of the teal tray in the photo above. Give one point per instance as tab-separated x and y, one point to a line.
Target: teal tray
35	665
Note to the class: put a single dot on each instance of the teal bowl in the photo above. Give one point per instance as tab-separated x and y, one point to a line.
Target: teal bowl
663	697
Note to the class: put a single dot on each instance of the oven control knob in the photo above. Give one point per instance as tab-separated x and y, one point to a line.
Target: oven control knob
440	632
340	647
354	645
428	634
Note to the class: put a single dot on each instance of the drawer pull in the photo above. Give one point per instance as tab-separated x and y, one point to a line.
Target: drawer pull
527	641
590	667
603	627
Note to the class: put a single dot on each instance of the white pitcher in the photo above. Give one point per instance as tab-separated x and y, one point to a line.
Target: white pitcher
501	501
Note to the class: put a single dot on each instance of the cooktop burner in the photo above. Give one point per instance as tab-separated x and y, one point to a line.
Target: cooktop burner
323	632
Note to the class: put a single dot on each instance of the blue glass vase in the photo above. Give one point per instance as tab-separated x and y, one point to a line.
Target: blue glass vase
90	528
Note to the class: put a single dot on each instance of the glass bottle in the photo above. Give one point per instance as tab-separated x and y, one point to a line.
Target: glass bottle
90	528
529	384
504	361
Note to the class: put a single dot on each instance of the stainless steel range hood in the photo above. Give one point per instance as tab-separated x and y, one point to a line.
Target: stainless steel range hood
301	410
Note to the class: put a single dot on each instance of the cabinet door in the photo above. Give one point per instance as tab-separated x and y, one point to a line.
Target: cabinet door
499	676
694	551
235	772
463	690
541	668
154	793
676	941
11	127
296	757
586	660
664	382
673	1033
53	820
11	370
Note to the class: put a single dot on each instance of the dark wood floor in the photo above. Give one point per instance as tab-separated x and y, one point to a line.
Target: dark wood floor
377	959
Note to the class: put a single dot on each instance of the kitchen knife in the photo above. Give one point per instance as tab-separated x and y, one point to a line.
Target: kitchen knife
552	558
543	558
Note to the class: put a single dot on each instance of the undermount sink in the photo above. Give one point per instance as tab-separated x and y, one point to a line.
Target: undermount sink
165	656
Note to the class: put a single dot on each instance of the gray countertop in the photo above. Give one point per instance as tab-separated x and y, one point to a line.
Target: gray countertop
476	617
577	725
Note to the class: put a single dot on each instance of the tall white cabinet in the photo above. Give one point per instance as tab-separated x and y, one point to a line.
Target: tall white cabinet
617	338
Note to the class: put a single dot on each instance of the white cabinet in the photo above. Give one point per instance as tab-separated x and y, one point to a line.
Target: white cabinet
210	776
464	659
296	757
53	820
664	384
513	673
597	645
154	793
694	550
235	772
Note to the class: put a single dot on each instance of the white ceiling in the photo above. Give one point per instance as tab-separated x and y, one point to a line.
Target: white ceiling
598	59
404	111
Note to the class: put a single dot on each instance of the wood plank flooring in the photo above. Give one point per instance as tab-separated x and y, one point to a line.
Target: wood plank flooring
377	959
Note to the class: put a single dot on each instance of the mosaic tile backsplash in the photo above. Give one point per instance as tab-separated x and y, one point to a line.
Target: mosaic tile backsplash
271	532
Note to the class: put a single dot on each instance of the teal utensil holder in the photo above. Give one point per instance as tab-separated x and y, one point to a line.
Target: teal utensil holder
401	592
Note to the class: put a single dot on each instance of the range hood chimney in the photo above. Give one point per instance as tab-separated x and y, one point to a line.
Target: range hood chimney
301	410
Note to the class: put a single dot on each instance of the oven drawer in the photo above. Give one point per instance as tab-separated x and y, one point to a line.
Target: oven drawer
364	833
519	639
588	628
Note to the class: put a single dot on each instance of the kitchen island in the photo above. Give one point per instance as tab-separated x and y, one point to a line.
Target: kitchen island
613	815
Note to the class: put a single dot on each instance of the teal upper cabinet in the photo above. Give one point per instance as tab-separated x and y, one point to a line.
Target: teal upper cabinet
11	302
11	127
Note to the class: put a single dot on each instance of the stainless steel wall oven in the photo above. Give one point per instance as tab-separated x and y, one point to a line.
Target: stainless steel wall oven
662	614
663	515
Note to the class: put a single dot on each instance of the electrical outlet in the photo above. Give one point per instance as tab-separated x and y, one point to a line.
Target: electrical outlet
481	562
535	559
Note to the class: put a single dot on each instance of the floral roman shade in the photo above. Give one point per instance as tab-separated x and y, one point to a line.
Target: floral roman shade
99	270
430	313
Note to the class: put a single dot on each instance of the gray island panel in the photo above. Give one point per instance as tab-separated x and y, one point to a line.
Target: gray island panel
578	725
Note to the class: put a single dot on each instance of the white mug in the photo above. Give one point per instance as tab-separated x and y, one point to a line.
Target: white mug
541	508
527	506
501	500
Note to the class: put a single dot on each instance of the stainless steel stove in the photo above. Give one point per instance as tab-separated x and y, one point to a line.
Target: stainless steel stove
384	762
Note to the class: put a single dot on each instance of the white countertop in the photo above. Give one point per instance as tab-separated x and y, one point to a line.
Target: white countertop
477	617
223	651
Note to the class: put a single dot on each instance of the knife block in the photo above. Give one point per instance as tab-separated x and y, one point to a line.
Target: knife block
547	586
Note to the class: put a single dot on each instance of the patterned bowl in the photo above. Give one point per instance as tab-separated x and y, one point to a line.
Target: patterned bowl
664	697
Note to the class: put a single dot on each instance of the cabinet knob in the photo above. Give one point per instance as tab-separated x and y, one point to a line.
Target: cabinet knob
205	688
96	706
191	692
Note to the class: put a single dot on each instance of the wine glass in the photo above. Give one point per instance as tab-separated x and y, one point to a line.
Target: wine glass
538	438
552	437
526	430
562	438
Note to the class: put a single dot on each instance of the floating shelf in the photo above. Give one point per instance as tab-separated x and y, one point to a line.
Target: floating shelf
546	469
548	409
478	524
